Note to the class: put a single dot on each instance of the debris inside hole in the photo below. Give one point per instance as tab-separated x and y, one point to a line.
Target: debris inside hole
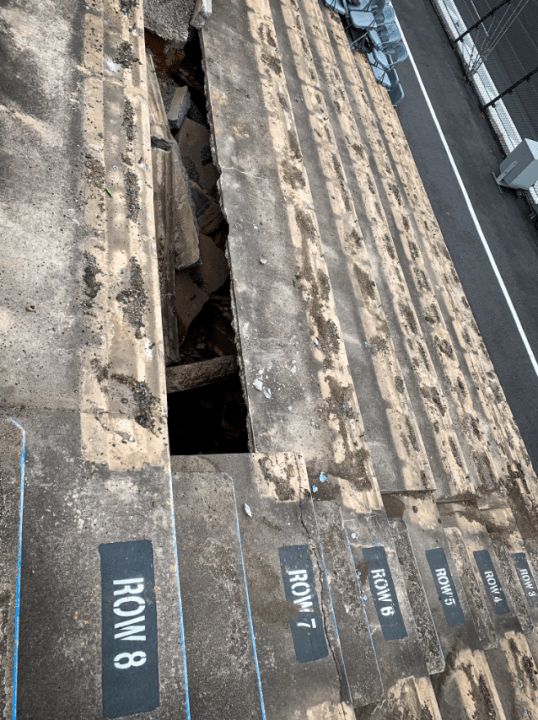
206	407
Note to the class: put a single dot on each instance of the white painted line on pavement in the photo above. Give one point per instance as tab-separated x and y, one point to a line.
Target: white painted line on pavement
471	210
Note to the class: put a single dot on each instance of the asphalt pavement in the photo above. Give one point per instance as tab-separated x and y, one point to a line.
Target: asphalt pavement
511	236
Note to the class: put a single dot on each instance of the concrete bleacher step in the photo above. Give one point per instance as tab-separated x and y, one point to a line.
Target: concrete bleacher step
220	647
426	630
272	620
513	558
501	573
409	699
493	418
526	562
406	642
99	606
499	646
391	430
100	621
363	668
297	381
469	345
257	532
350	310
348	553
489	584
466	687
527	569
425	543
493	534
466	390
474	588
404	329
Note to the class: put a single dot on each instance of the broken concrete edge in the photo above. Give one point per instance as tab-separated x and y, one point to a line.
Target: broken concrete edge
179	107
208	213
173	25
210	120
202	11
240	360
195	145
193	289
163	31
184	229
165	253
170	21
190	199
180	378
214	156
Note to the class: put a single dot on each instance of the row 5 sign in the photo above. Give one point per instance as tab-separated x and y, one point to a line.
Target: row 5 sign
129	635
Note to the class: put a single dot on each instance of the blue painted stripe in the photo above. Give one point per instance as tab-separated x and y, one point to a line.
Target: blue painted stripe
362	600
19	565
181	624
331	601
248	603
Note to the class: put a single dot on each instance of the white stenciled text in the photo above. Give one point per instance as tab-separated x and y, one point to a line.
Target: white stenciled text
129	606
446	587
383	592
494	588
527	581
302	592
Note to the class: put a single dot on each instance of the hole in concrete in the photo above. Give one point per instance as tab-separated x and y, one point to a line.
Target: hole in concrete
209	419
206	408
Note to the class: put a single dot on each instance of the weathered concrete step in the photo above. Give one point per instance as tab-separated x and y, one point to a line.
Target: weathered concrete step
527	564
389	274
100	630
297	379
436	568
488	441
406	644
426	631
391	429
467	687
363	668
489	587
219	639
301	669
471	577
514	669
528	574
514	562
487	564
474	588
493	419
409	699
497	421
100	614
122	384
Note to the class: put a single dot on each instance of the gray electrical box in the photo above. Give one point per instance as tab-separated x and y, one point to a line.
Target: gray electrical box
520	169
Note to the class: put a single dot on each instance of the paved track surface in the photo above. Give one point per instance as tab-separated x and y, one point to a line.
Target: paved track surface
510	235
